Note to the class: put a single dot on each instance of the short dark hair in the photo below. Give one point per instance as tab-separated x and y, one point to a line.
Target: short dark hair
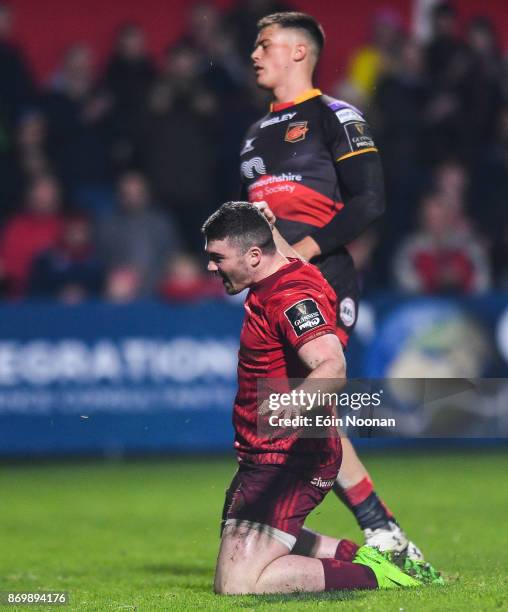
241	223
299	21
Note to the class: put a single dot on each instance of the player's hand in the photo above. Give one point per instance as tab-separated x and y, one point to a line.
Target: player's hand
279	428
267	212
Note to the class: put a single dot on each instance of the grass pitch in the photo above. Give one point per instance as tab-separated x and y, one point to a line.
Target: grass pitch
144	535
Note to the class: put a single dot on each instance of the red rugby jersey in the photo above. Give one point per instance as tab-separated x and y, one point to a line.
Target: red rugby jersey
282	313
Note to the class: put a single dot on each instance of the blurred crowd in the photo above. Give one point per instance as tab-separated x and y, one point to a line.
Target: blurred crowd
439	111
107	171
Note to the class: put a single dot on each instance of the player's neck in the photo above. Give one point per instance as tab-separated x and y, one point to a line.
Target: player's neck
270	266
287	92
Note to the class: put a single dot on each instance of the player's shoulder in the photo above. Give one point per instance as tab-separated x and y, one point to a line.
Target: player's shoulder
342	110
300	279
251	135
256	125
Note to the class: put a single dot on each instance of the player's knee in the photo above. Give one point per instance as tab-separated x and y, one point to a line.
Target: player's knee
233	580
233	585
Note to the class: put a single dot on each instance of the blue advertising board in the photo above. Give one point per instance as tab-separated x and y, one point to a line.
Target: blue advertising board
109	379
149	377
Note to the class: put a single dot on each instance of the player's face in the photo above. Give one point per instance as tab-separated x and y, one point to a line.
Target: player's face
273	56
227	261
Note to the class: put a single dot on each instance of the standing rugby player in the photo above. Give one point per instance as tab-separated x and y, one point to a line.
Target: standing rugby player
313	160
280	480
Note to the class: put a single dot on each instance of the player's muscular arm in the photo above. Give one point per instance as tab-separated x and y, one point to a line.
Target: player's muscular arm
324	357
361	181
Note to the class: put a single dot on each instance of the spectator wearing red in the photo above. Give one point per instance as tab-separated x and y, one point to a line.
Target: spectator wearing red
185	281
443	255
30	232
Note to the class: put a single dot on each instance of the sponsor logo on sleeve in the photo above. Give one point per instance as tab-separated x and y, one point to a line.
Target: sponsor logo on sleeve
348	114
358	135
347	311
296	131
248	146
304	316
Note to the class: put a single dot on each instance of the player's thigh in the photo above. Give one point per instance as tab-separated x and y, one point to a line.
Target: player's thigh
246	550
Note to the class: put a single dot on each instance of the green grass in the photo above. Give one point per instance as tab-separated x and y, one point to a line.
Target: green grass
144	535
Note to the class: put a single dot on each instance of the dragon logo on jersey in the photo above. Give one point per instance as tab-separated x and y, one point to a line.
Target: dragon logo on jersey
249	166
296	131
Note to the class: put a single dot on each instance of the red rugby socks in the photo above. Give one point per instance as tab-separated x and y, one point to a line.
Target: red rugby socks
342	575
346	550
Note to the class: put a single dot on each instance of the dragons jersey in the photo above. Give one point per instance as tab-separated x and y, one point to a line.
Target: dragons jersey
282	312
289	160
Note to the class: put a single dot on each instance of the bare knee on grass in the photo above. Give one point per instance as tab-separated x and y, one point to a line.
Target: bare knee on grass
254	562
244	554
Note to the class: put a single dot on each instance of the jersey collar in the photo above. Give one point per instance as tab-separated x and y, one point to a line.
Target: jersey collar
307	95
266	283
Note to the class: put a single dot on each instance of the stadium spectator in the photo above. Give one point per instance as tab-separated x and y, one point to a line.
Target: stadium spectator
31	146
399	119
451	181
70	270
378	57
123	285
184	281
137	236
482	94
17	89
445	46
79	127
221	66
28	233
490	187
242	21
129	76
448	63
16	94
180	132
183	126
442	256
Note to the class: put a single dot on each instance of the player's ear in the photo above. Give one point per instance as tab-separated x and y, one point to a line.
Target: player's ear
254	256
300	52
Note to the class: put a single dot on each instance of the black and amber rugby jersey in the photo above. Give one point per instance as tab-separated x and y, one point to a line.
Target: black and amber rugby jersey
291	159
